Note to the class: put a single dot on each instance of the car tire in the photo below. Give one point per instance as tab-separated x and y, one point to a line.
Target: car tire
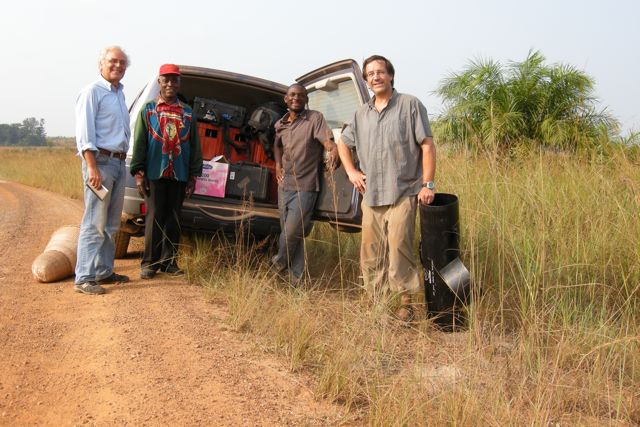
121	241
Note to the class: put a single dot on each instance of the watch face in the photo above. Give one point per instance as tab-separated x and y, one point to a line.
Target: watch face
430	185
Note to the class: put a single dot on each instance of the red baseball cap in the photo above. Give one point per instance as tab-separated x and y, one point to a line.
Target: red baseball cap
169	69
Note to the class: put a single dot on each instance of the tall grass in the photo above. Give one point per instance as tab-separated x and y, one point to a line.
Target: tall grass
53	169
553	244
552	241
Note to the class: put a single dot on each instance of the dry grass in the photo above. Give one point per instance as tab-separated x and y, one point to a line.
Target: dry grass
53	169
553	339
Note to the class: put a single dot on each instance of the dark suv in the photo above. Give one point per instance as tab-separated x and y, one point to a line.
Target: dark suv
235	119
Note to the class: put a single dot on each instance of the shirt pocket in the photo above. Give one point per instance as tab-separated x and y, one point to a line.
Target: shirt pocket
404	128
401	143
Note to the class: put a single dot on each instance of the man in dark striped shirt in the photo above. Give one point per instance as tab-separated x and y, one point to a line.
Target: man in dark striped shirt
301	137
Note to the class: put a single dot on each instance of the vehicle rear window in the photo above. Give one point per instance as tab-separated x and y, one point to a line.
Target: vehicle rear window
338	105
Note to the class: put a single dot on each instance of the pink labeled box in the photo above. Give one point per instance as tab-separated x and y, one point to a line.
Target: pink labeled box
214	177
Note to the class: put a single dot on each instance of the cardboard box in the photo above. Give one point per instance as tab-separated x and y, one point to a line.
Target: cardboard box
214	177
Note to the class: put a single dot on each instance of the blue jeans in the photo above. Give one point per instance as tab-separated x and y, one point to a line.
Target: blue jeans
101	221
296	209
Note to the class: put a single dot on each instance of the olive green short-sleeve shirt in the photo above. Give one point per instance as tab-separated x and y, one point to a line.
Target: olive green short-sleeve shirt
302	149
388	147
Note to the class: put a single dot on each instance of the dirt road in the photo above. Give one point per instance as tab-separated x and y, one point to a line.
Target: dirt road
146	353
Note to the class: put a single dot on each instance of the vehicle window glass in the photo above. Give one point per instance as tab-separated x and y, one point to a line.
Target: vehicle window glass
337	106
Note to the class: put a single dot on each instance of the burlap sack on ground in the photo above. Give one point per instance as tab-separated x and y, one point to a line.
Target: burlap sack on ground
59	257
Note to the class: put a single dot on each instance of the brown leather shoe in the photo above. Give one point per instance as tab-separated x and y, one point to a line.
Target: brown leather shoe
405	312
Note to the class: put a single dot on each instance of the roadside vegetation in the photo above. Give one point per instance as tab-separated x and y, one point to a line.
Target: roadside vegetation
53	169
502	109
61	142
549	200
552	241
554	332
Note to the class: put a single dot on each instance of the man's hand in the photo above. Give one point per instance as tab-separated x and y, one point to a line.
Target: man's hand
142	184
95	179
279	174
333	159
358	179
426	196
191	186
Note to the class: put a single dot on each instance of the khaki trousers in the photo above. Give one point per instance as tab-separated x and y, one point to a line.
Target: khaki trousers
386	253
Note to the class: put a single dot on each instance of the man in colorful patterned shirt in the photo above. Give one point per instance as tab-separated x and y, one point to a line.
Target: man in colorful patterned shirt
166	160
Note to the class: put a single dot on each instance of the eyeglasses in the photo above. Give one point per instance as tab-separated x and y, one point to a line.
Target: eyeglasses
122	62
376	73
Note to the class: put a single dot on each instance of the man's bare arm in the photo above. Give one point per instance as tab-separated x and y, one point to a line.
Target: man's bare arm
427	195
356	177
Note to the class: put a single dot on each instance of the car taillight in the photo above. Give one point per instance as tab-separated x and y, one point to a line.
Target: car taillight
143	208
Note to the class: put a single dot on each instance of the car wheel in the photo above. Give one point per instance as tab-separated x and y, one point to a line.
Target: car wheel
121	241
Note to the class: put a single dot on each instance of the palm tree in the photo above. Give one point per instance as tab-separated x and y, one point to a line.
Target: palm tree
490	106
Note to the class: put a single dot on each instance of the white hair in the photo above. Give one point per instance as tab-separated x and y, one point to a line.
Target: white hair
106	50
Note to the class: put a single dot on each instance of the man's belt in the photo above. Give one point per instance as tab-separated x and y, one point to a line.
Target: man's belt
120	156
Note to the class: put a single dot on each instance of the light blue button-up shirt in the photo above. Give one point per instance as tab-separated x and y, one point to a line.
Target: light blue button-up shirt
102	119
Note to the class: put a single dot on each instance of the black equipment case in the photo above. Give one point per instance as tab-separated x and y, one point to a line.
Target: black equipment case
218	113
247	180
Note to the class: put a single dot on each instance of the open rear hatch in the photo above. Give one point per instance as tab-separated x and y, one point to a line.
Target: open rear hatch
235	115
337	91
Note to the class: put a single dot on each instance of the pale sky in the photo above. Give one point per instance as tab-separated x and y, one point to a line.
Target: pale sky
53	46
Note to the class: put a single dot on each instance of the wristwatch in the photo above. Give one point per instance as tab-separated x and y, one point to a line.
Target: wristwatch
429	184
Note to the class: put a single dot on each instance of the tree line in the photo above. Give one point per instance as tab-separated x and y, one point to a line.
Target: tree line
29	133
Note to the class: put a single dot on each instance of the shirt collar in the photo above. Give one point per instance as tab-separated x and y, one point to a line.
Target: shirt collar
108	86
301	115
160	100
372	101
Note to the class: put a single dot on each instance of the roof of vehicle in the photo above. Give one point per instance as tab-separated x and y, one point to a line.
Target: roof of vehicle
233	77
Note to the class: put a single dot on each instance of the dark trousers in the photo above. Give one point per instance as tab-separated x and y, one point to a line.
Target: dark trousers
296	210
162	230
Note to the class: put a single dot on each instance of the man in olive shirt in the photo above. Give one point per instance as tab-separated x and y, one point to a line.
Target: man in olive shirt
392	137
301	136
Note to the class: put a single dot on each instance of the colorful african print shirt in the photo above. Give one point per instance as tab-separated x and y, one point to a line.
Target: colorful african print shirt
166	143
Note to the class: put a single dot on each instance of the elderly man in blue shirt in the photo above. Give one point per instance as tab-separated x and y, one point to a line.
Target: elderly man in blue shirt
102	138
